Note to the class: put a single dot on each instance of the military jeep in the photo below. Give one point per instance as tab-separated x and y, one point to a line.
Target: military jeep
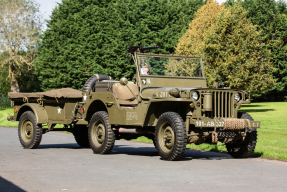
168	101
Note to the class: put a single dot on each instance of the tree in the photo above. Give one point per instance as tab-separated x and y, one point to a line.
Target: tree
263	13
278	47
4	84
233	53
88	37
192	42
270	16
19	28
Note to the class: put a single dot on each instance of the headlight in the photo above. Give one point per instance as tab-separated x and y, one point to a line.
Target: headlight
194	96
236	97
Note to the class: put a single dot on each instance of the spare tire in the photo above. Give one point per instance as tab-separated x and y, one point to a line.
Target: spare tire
91	82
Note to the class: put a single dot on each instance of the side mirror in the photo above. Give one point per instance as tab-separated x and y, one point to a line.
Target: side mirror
123	81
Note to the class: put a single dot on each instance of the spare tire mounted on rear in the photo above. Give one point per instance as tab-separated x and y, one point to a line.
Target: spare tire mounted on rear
91	82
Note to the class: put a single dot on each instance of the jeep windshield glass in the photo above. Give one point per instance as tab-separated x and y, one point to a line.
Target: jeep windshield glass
162	66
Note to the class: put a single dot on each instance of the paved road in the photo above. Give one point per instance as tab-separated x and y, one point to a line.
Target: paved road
60	165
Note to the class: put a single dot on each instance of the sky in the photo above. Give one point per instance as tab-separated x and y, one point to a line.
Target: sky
46	7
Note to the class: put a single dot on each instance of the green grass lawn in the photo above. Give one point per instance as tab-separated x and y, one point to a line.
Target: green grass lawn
4	123
3	118
272	136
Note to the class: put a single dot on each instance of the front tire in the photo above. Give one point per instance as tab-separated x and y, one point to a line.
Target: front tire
170	136
101	135
29	132
243	148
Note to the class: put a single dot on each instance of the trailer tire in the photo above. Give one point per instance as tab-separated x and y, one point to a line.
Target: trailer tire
91	82
29	132
81	135
243	148
101	135
170	136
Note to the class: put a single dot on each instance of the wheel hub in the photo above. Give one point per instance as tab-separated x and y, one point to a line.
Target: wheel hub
98	134
166	138
27	131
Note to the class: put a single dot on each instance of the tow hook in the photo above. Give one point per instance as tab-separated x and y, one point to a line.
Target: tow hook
9	118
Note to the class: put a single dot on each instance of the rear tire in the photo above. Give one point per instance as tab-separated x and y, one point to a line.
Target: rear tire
101	135
81	135
29	132
170	136
243	148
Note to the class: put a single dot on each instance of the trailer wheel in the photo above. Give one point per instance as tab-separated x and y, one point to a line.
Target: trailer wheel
91	82
170	136
101	135
81	135
243	148
29	132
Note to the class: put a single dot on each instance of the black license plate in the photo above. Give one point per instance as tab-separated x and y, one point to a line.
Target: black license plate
222	134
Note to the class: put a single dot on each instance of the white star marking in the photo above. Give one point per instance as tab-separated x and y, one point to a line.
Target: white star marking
59	110
85	97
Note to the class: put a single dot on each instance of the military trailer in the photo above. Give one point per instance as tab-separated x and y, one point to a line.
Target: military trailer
168	101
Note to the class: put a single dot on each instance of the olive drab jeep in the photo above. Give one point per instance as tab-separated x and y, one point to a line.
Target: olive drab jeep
167	101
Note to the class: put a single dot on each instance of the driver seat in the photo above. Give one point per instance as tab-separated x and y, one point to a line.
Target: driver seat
124	96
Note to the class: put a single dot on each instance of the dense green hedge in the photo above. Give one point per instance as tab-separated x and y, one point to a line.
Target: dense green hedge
92	37
5	102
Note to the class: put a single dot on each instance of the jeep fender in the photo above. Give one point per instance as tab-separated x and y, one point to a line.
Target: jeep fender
40	113
154	109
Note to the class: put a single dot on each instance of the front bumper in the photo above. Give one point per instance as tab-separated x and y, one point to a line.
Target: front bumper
220	123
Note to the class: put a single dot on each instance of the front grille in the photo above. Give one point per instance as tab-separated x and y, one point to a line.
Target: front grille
222	105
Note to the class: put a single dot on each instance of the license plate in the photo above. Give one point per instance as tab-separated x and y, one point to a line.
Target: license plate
213	123
222	134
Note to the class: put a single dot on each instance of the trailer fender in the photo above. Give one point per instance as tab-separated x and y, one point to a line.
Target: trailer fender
40	113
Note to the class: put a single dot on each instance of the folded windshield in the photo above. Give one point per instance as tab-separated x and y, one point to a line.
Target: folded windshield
175	66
